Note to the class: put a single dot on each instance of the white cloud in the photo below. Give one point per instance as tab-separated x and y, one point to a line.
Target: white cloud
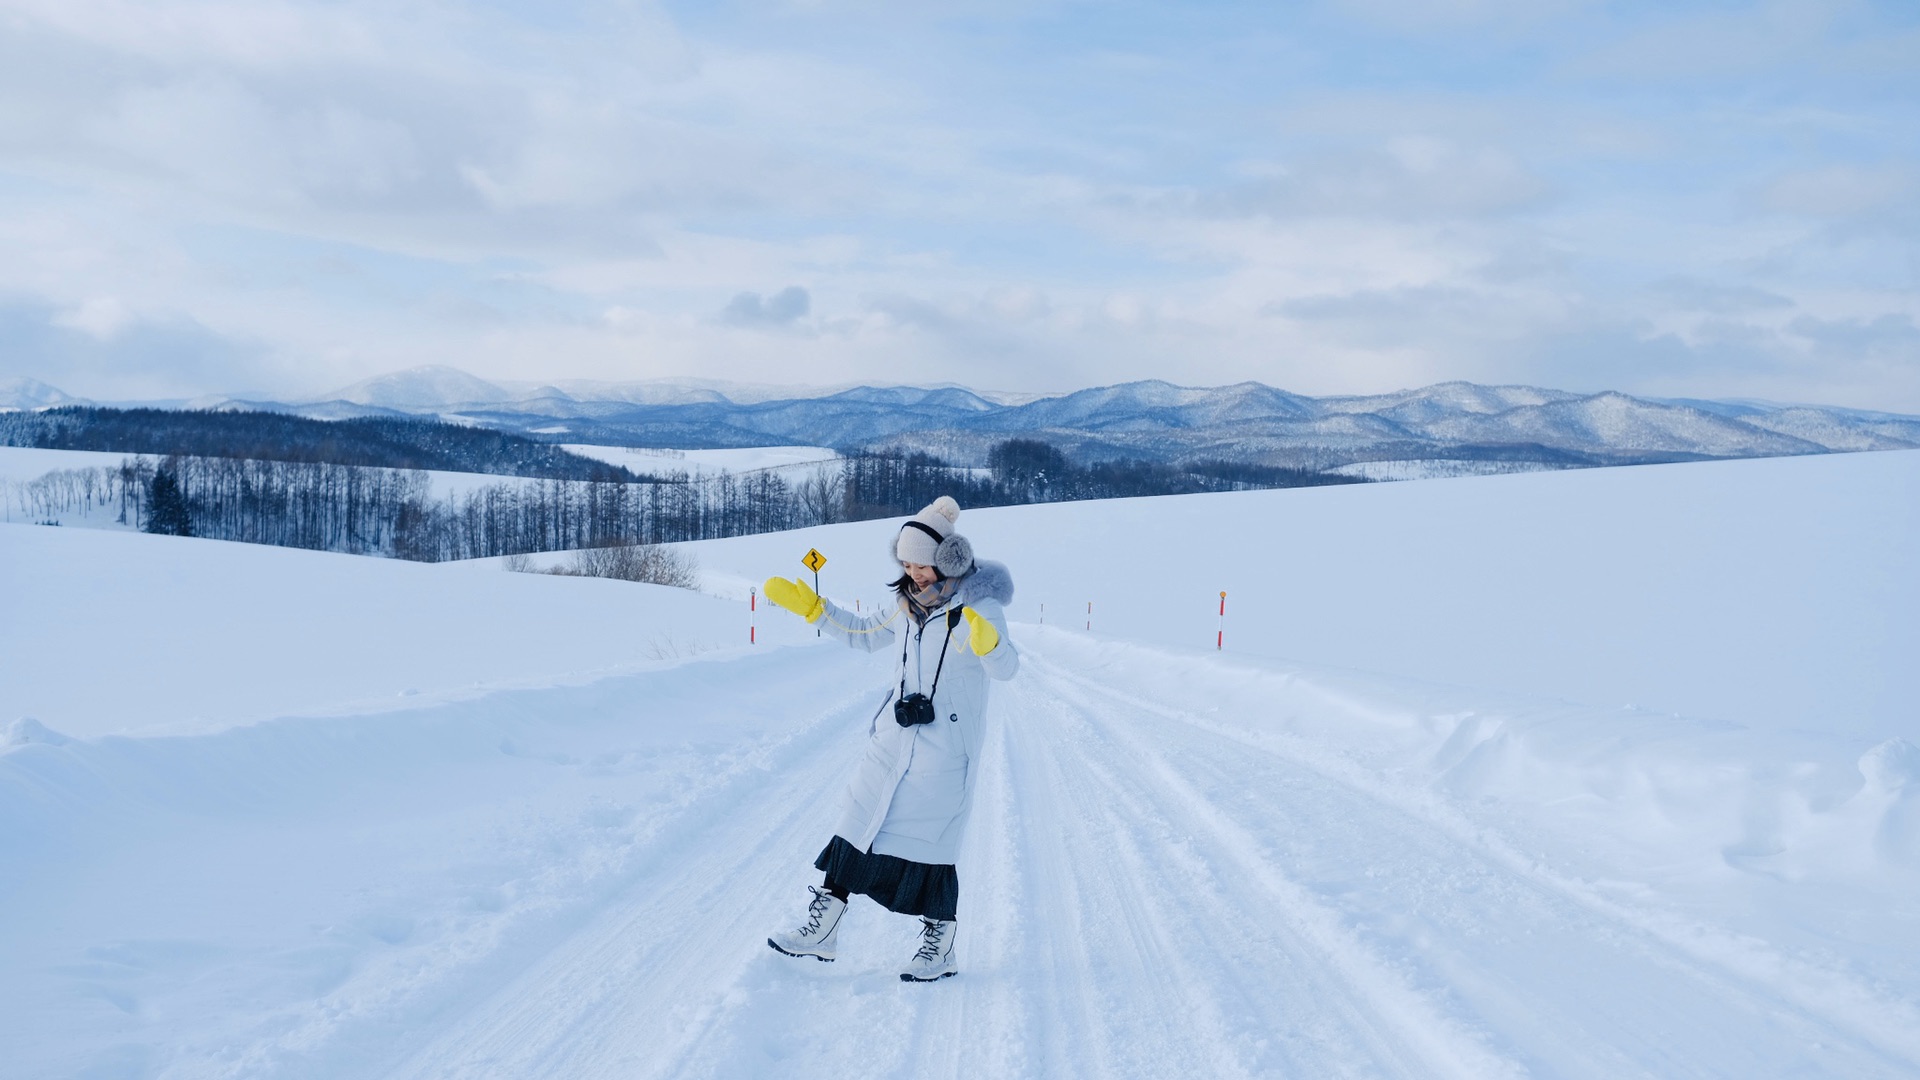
1890	335
783	309
103	351
1714	43
1837	191
1694	295
1410	176
101	317
259	34
1427	16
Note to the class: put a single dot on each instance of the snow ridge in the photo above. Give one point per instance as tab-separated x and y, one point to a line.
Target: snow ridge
1151	419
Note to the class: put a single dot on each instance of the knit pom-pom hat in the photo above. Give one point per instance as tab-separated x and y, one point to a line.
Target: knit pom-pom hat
928	539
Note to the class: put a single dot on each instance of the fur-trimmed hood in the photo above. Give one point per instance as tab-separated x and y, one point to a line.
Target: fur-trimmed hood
988	581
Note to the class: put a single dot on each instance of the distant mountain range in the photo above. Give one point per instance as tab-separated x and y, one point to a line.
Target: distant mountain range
1500	426
31	394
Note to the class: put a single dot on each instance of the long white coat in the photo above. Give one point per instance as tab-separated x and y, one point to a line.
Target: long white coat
913	790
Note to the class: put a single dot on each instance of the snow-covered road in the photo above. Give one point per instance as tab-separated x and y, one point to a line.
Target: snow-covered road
1168	874
1152	893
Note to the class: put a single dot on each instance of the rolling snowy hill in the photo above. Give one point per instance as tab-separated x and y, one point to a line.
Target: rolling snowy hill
17	393
1150	420
1590	774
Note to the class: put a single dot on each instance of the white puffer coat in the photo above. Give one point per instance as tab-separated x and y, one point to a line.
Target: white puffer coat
913	790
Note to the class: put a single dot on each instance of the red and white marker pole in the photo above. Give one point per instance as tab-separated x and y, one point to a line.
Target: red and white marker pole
1220	639
753	617
1089	616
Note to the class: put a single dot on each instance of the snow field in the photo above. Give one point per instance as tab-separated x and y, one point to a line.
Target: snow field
1307	856
305	897
114	632
1779	593
1433	469
793	462
22	463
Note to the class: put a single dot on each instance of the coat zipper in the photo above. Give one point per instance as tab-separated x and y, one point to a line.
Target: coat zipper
919	659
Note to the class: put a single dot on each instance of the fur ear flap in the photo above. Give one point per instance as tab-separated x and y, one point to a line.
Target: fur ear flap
954	556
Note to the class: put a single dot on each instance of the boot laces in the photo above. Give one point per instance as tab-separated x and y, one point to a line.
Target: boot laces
817	911
931	933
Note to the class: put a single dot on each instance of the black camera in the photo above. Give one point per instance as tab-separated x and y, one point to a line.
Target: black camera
912	710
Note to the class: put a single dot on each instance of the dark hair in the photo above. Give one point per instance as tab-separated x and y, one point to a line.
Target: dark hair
904	585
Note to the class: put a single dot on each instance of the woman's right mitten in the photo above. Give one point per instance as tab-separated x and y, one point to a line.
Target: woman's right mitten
796	597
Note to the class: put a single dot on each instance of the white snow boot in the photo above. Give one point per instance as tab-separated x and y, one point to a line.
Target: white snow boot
934	960
815	937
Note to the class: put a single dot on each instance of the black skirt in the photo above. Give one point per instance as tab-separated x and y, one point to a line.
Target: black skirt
910	888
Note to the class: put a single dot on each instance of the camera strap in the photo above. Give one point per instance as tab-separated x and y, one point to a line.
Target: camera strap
953	620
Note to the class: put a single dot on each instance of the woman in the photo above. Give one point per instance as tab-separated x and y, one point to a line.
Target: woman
899	833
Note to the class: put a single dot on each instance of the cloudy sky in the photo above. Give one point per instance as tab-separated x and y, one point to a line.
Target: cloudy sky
281	196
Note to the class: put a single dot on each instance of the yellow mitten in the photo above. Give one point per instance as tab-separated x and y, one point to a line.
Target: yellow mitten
984	637
796	597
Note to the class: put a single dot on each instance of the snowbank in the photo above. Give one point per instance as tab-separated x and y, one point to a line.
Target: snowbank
1646	788
304	896
124	632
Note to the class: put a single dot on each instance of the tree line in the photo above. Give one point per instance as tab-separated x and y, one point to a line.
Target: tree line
399	513
374	442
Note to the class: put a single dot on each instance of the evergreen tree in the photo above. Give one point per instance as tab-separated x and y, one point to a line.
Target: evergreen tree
1029	469
167	507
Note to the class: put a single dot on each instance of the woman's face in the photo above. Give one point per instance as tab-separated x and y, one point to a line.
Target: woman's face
922	576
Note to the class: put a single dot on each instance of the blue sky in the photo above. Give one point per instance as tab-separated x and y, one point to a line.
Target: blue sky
1346	196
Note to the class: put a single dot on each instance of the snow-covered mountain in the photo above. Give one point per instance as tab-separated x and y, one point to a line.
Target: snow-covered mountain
20	393
1158	420
424	389
1618	423
1154	420
438	388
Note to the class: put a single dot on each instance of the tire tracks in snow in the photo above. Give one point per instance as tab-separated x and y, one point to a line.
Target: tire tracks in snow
624	994
1107	930
1675	998
855	1018
1090	933
1146	892
1248	967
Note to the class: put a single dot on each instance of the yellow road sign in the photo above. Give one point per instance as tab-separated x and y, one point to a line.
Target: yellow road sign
814	560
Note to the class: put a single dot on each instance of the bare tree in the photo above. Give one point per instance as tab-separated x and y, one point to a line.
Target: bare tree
651	563
823	497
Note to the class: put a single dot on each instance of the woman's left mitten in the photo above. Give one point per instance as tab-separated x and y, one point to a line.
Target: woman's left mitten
983	638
